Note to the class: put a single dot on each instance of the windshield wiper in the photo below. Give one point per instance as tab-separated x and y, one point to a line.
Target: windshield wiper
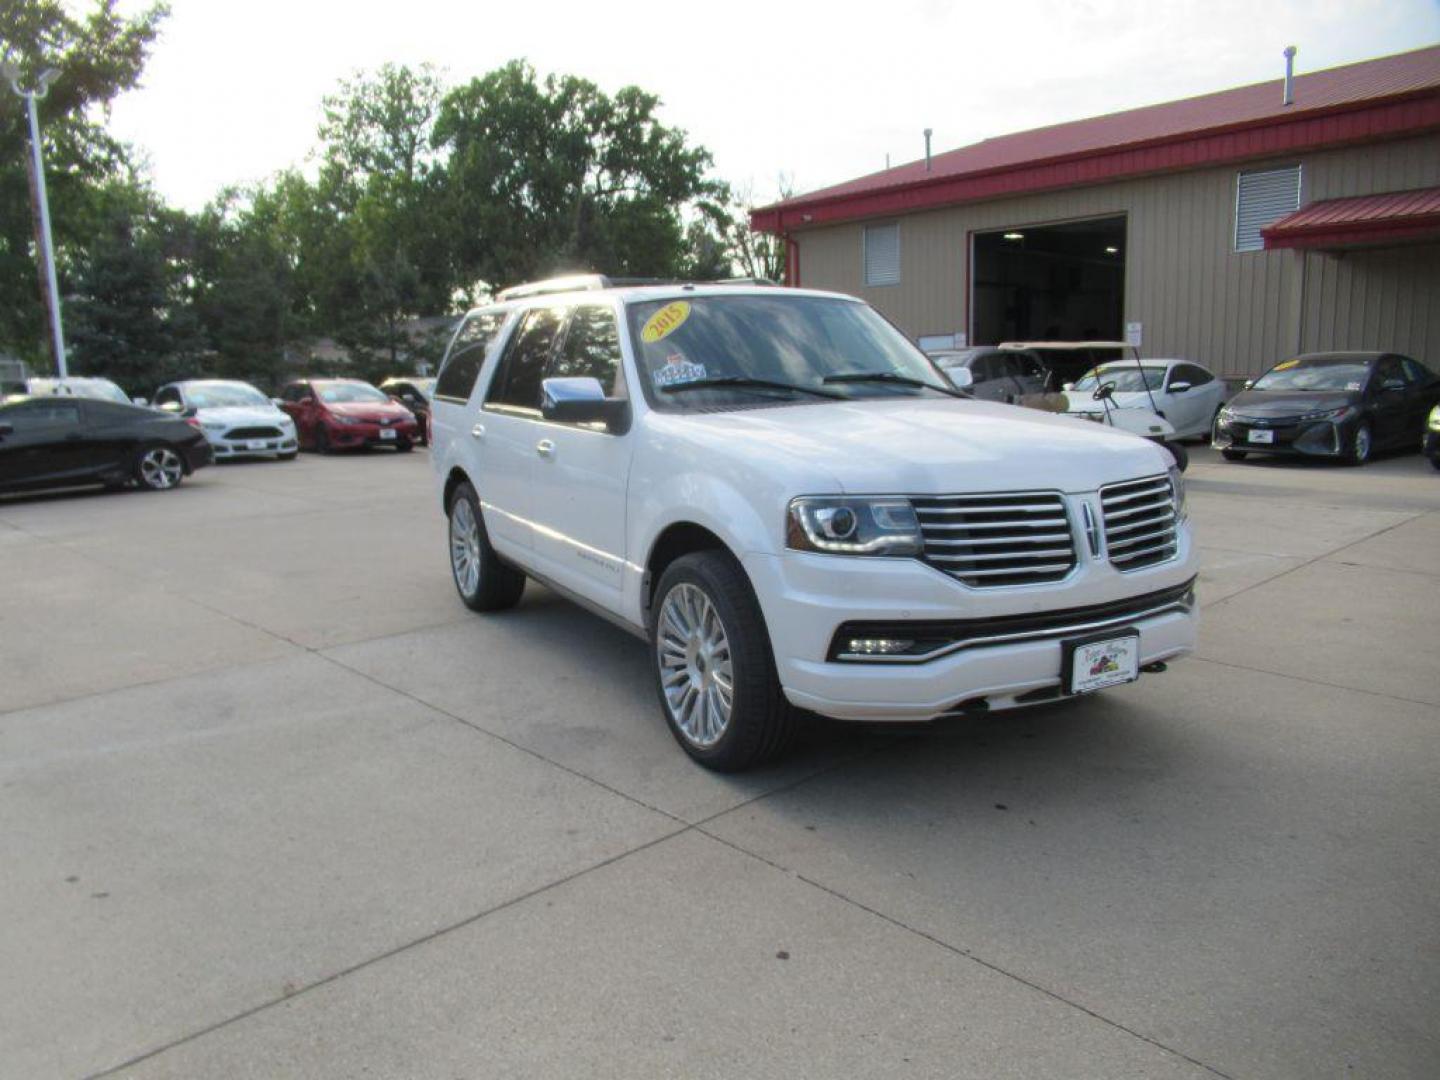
745	382
892	377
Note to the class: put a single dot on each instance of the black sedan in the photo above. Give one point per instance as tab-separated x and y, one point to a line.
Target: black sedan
415	394
48	442
1341	405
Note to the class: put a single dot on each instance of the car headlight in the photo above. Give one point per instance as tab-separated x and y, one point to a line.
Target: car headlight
1177	485
1343	413
853	526
1226	415
1434	422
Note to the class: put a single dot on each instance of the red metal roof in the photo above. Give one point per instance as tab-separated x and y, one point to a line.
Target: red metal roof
1365	219
1373	99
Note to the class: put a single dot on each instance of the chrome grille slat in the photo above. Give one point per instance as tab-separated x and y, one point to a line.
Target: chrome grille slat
1132	511
999	539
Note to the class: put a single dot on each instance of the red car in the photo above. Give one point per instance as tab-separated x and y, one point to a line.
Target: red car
331	414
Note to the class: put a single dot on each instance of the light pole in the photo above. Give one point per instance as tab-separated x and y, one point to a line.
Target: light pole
11	71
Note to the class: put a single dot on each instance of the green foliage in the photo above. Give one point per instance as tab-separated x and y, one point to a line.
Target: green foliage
99	54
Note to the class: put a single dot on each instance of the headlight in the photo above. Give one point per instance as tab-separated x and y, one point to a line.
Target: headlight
1177	484
841	526
1330	414
1434	422
1226	415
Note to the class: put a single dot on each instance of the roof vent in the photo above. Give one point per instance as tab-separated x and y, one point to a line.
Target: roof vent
928	133
1289	75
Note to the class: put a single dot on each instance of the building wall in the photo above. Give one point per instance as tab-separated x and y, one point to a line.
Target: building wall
1196	297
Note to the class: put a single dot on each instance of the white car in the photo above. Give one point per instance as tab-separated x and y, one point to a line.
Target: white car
237	419
1185	394
784	498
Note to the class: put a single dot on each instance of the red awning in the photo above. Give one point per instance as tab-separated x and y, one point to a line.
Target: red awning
1364	221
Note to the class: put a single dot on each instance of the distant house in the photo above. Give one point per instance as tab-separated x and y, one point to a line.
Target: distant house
1233	229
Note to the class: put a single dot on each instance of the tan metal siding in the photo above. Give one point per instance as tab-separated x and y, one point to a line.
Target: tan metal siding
1194	295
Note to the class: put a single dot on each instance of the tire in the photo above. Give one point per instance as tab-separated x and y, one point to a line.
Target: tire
1360	447
484	581
1233	455
1435	463
1180	454
158	468
706	623
322	440
404	446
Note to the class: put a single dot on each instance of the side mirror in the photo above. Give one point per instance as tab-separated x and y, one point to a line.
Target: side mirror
1179	387
962	378
1249	383
580	401
1104	392
1393	386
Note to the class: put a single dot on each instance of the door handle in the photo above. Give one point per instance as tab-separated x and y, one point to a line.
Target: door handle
478	431
545	448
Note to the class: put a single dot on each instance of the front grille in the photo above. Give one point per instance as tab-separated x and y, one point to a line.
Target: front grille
1139	522
253	433
1005	538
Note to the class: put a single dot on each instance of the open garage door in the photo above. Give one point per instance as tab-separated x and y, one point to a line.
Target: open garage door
1049	282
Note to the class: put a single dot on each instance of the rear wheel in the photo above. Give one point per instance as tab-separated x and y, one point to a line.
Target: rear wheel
714	669
159	468
322	440
485	582
1233	455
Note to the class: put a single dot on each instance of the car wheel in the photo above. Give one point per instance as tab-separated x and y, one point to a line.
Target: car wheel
158	468
485	581
714	668
1435	462
322	440
1180	454
1233	455
1360	446
404	446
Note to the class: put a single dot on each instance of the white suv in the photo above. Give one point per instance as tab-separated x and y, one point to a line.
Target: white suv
785	499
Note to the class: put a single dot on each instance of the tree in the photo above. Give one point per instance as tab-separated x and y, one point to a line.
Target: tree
99	54
556	176
756	254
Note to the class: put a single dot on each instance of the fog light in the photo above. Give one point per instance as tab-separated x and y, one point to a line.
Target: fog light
880	646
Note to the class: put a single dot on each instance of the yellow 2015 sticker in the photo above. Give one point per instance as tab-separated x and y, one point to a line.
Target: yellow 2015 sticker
1287	365
665	321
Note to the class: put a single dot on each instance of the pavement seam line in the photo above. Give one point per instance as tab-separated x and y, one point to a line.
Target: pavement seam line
965	954
425	939
1317	558
1314	682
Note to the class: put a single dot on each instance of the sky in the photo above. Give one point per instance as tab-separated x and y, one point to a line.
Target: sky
817	93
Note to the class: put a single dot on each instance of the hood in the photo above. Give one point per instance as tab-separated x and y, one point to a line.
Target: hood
925	447
1277	404
370	409
241	414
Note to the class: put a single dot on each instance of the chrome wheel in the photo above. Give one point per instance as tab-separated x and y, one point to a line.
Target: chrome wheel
465	546
696	678
161	468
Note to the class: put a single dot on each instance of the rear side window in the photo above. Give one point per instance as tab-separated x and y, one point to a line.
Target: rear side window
467	355
517	379
592	348
39	415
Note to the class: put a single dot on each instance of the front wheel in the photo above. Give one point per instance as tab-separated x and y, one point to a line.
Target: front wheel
159	468
485	582
1233	455
1360	446
404	446
322	439
714	668
1180	454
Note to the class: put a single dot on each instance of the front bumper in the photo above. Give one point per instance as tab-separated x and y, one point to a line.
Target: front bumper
264	447
371	434
806	599
1309	438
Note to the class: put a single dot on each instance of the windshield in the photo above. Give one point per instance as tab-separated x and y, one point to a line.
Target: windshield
1127	379
99	389
800	341
1320	373
346	393
221	395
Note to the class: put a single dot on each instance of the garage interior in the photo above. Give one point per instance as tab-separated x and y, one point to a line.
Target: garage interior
1061	282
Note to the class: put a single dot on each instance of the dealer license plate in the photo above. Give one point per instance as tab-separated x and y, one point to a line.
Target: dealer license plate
387	433
1094	665
1258	435
255	444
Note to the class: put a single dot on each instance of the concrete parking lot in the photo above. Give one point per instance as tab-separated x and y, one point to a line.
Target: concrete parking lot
273	803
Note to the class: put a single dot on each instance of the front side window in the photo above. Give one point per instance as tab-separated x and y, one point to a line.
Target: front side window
520	371
461	368
41	415
592	349
169	396
1318	373
713	351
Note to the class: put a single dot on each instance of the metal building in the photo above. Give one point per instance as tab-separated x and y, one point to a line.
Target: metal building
1231	229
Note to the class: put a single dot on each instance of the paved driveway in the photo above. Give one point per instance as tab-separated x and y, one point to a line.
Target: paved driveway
272	803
